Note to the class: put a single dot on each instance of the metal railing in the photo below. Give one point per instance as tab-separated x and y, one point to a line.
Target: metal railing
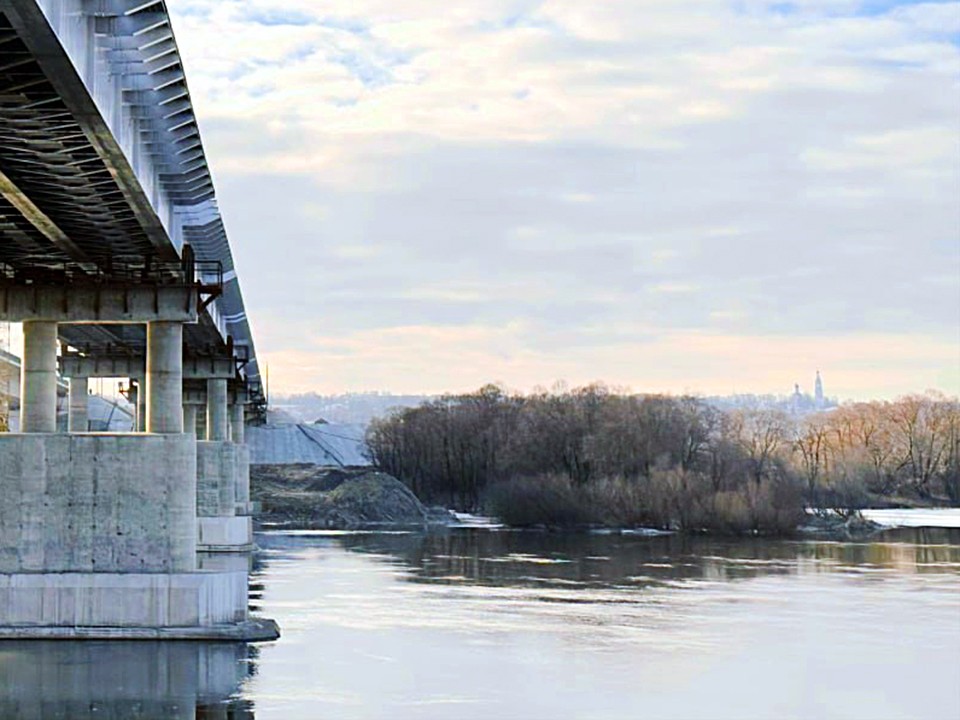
206	274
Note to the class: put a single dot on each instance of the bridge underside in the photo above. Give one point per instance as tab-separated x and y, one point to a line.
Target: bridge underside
102	188
62	201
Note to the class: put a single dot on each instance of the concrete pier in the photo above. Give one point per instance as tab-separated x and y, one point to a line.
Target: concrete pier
129	272
133	397
38	377
98	503
217	421
164	377
79	405
142	405
220	465
190	419
99	532
102	542
236	423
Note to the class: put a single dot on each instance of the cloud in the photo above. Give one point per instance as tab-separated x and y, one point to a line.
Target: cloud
580	172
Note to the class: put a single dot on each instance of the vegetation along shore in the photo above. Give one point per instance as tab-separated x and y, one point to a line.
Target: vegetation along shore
593	456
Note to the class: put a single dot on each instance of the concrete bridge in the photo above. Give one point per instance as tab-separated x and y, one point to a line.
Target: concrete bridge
114	257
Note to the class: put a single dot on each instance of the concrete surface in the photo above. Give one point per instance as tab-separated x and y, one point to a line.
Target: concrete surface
164	377
98	303
218	427
122	600
79	401
332	444
225	534
98	503
38	378
217	469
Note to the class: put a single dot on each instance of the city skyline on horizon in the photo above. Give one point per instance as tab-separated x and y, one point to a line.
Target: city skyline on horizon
779	393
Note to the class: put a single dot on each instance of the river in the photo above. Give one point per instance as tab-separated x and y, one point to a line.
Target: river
488	623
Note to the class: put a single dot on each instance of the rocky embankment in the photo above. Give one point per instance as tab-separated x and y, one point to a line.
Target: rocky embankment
315	497
839	526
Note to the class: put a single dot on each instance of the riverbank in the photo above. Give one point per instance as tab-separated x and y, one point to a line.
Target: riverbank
311	497
306	496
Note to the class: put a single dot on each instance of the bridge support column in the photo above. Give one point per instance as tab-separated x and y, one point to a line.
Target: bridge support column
164	377
133	397
79	399
99	531
38	378
217	425
236	423
190	419
141	405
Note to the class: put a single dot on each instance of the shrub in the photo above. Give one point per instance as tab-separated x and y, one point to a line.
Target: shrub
670	499
540	500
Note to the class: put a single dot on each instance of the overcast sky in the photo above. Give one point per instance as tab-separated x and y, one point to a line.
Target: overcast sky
671	195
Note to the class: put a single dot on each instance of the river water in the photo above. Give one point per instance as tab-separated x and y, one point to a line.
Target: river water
488	623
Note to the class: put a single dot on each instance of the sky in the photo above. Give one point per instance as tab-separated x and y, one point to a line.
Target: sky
708	196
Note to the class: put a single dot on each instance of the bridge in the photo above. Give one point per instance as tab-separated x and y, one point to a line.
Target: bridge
115	259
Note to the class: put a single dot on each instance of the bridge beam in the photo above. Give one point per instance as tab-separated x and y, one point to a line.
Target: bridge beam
98	304
74	364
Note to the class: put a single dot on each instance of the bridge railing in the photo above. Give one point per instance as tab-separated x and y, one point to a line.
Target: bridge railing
207	274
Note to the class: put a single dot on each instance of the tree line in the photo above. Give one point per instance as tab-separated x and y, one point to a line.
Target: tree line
590	452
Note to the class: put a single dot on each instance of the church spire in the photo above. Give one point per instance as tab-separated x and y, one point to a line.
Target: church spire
818	391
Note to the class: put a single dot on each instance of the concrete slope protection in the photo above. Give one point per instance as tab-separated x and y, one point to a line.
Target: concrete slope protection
337	445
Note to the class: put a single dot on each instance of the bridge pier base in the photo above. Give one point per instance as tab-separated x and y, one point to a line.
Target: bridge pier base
220	527
102	542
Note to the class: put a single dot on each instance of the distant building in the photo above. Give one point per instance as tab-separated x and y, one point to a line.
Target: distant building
803	404
798	403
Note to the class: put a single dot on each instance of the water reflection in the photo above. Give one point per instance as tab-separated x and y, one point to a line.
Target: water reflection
144	679
526	559
480	624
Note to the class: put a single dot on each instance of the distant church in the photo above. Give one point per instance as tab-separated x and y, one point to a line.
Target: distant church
802	403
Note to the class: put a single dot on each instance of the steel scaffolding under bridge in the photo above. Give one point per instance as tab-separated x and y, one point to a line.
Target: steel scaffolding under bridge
103	177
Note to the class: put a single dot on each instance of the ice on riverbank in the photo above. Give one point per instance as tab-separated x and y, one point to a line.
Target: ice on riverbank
915	517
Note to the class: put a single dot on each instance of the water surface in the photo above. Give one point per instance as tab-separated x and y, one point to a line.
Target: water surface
514	624
483	623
